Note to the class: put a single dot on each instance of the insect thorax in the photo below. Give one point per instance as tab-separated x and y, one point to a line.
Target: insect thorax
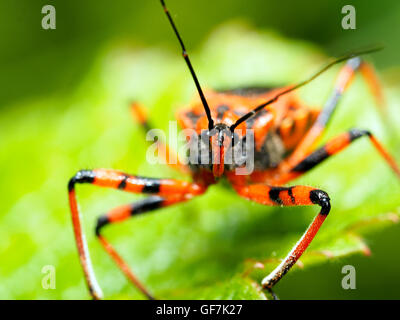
271	153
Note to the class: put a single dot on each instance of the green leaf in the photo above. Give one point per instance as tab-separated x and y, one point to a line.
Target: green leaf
217	246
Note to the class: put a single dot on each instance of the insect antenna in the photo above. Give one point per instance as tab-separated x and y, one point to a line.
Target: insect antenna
300	84
189	64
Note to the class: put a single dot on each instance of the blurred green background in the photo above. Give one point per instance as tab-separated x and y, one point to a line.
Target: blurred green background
63	107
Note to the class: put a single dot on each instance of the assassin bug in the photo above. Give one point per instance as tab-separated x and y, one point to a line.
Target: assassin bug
285	131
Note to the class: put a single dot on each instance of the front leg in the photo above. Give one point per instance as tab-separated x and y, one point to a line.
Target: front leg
289	196
166	191
123	213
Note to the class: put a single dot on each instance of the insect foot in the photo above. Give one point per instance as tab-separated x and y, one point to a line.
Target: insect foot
321	198
317	197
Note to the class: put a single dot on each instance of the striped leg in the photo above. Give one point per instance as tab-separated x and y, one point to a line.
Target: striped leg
166	191
164	151
344	79
299	195
289	196
122	213
332	147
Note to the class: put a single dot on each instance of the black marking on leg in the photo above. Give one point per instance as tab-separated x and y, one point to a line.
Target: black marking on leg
101	222
141	206
290	192
122	184
274	194
322	199
150	185
82	176
311	160
148	204
356	133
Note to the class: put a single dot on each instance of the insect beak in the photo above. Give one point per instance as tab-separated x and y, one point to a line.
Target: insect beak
219	148
218	162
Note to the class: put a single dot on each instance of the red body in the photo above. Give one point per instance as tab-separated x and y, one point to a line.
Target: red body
277	129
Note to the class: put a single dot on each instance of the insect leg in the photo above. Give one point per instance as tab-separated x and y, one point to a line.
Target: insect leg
344	79
122	213
332	147
170	191
164	150
289	196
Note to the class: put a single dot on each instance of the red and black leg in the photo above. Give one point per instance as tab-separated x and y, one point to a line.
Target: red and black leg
332	147
343	81
300	195
303	159
289	196
165	192
121	214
